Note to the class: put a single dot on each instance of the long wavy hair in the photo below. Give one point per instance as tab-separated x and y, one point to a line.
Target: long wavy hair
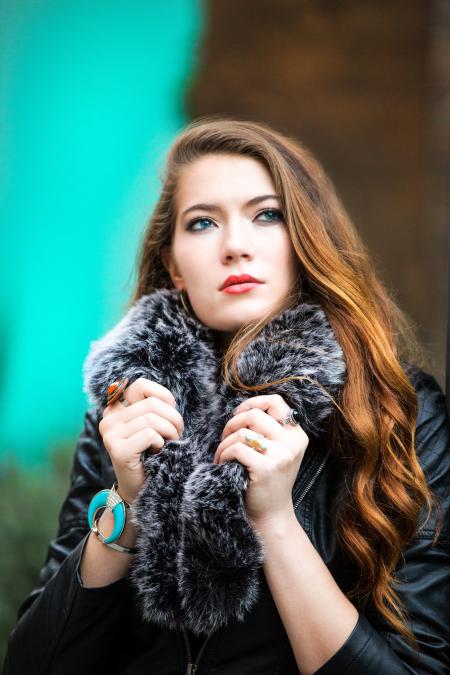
373	424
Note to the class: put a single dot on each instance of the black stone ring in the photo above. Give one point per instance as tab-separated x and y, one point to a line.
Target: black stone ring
292	418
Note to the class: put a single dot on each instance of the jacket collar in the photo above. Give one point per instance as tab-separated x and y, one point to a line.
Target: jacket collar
198	558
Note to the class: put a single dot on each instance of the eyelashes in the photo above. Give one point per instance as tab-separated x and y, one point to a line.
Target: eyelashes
275	212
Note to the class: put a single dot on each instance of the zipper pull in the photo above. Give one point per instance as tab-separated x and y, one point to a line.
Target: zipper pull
191	669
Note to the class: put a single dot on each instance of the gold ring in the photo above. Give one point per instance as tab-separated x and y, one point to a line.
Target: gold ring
255	442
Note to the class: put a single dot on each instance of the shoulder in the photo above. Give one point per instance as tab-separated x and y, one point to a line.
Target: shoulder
427	387
432	424
432	442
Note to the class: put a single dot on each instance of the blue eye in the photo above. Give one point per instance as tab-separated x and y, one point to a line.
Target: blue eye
275	212
189	226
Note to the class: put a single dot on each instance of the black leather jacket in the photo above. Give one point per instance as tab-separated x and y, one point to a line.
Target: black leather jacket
64	628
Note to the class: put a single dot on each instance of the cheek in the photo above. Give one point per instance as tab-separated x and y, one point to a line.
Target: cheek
282	255
188	254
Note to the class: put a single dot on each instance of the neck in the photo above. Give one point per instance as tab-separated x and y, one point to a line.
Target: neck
222	339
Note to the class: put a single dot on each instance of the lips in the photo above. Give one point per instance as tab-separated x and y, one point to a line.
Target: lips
239	279
238	289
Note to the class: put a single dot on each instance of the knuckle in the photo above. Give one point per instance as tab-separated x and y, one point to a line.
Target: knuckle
148	437
179	418
172	432
109	443
154	402
287	463
101	427
106	439
149	434
151	401
242	433
148	405
170	396
158	441
294	451
150	419
135	386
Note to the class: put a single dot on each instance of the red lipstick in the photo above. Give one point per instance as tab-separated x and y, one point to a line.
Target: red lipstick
240	283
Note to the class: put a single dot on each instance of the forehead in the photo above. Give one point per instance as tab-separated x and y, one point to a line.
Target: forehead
218	178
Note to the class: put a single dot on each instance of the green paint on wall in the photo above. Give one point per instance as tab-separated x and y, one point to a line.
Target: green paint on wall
91	95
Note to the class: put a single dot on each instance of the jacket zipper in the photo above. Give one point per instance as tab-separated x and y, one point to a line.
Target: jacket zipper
192	667
311	482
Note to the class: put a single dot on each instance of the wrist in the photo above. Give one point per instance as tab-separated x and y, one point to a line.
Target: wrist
128	536
106	524
127	495
275	524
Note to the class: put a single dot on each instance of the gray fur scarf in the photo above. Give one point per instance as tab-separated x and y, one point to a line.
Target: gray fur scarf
198	556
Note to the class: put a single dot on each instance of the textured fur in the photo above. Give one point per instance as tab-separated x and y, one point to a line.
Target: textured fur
198	557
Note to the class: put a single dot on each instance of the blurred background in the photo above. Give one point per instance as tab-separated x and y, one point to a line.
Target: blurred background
91	96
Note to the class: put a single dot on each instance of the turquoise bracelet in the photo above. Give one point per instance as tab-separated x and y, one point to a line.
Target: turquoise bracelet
109	499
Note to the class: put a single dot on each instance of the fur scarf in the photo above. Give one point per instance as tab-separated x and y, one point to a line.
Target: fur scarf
198	557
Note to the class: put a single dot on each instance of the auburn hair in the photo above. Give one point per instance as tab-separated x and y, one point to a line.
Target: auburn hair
373	424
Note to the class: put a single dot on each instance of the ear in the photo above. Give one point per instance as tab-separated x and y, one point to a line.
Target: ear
171	267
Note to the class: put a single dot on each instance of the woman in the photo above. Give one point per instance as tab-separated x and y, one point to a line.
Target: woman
303	529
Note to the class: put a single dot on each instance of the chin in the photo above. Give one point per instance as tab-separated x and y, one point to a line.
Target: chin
238	317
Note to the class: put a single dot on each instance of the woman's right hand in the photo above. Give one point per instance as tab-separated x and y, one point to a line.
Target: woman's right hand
149	419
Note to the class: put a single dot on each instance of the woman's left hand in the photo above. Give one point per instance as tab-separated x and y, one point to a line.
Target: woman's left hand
273	471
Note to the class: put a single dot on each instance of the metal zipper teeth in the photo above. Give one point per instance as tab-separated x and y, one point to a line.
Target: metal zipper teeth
311	482
188	649
192	667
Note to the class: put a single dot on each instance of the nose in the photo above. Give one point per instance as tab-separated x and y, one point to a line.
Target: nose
237	241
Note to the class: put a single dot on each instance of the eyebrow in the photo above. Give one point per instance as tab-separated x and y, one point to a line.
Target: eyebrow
213	207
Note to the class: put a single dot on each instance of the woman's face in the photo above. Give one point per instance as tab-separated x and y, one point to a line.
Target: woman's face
226	224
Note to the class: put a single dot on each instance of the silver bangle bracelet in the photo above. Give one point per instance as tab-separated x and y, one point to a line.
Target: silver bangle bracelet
116	547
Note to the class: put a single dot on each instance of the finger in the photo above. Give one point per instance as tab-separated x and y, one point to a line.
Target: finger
150	419
141	389
241	452
273	404
238	436
135	445
155	405
142	407
254	419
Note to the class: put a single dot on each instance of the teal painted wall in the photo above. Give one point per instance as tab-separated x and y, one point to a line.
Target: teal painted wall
91	95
